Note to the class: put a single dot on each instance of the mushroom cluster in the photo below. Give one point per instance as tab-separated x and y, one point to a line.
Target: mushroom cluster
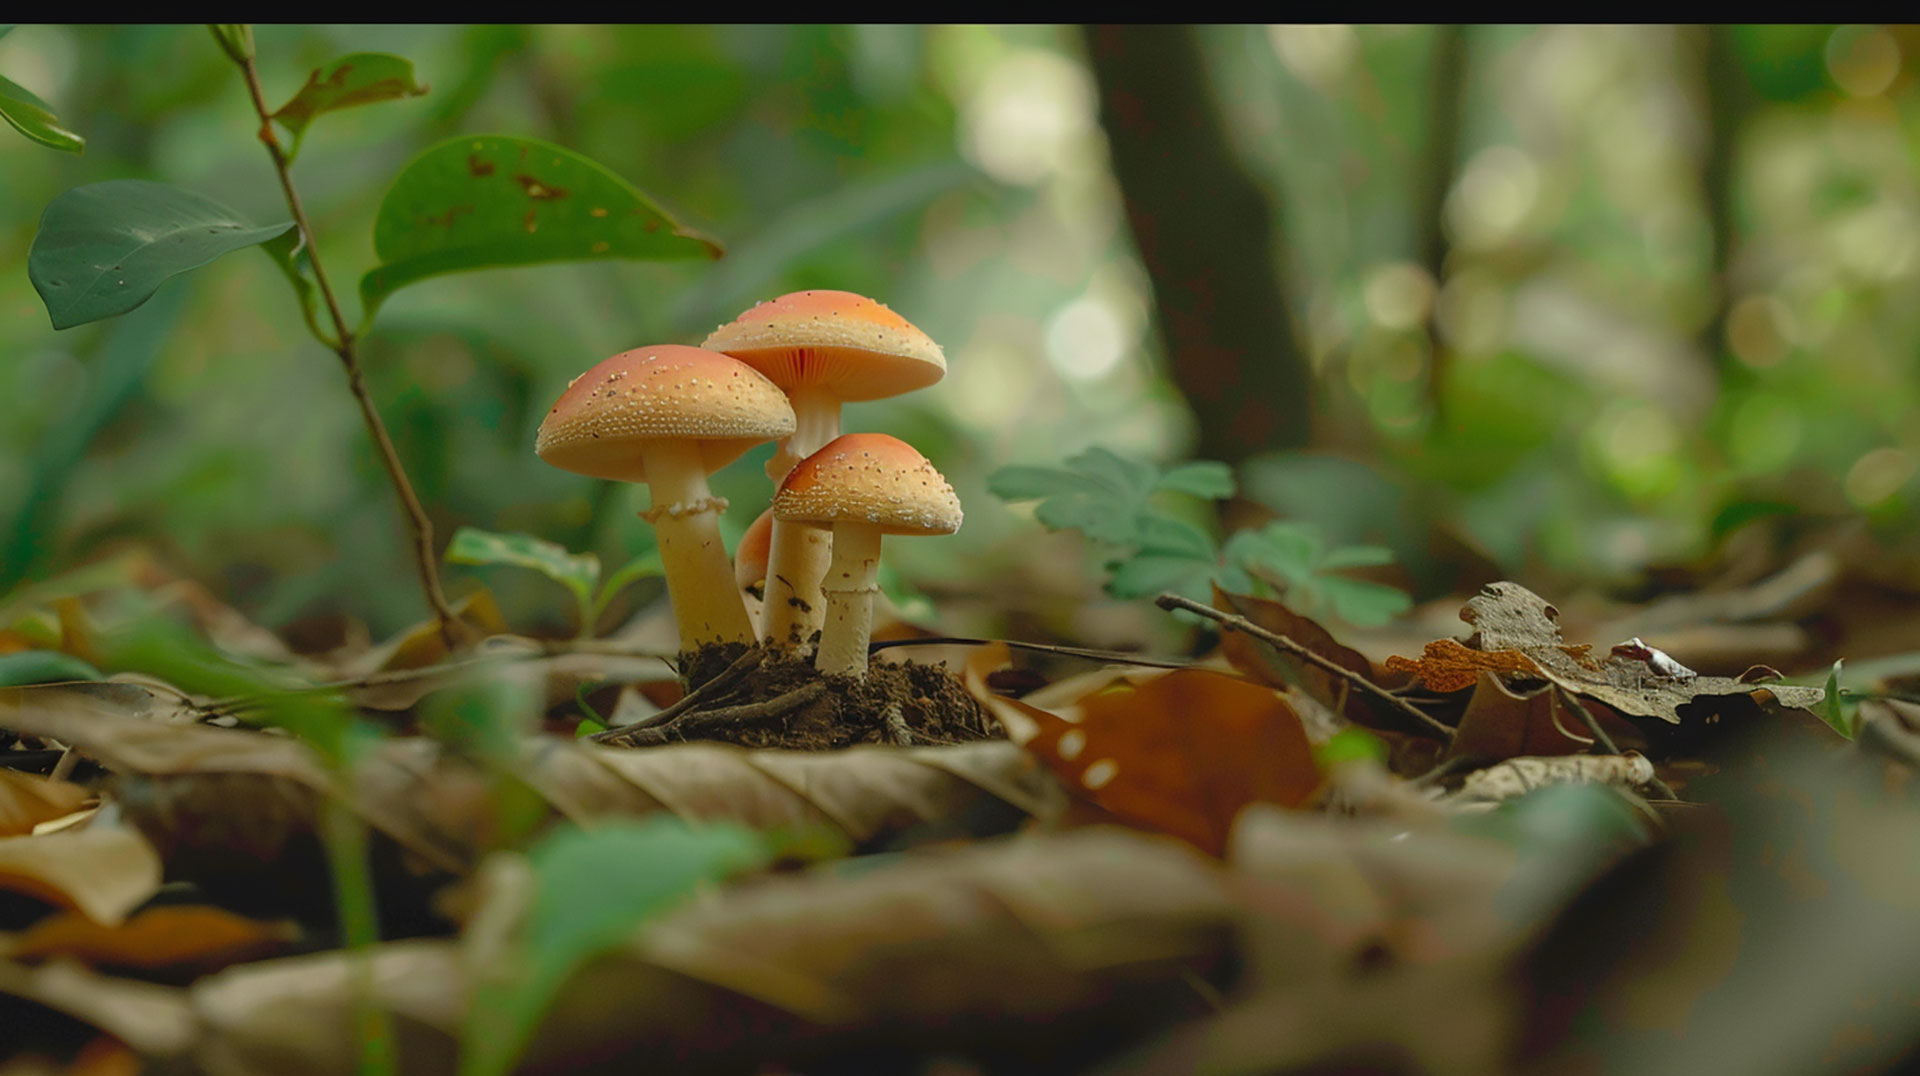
670	415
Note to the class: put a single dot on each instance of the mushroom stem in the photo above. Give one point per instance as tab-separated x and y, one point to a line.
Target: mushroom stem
850	586
685	515
798	557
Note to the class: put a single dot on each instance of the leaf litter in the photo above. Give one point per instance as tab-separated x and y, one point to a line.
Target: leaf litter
1281	856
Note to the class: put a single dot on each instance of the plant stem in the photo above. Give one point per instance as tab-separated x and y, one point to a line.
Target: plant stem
452	631
1171	600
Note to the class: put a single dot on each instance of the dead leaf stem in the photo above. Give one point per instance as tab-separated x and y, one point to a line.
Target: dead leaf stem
452	631
1568	698
1170	600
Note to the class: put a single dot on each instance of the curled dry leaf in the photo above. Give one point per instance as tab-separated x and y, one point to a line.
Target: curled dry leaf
190	938
1515	633
26	800
1181	752
1518	776
155	1020
103	872
1502	723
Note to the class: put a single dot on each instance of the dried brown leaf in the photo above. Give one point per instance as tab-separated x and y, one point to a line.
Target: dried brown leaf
196	937
26	800
155	1020
1180	752
1501	723
1514	627
103	872
1262	662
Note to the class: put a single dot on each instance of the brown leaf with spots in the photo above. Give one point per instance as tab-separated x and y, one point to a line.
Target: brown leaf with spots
1516	633
1180	753
193	938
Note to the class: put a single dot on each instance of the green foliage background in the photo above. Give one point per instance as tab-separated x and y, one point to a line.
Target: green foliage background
1571	392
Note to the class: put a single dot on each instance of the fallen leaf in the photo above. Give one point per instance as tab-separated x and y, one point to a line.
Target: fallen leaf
1278	669
196	937
1515	628
1180	752
26	800
1501	723
103	872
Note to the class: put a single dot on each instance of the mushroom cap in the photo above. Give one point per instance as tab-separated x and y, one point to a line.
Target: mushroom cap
845	344
869	478
755	548
661	393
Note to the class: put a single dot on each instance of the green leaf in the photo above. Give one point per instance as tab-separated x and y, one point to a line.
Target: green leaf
104	248
1209	479
1176	537
591	890
1831	709
43	667
1020	483
1098	518
1363	603
1356	556
482	201
361	78
578	572
1132	479
645	566
291	257
34	118
1351	744
1148	574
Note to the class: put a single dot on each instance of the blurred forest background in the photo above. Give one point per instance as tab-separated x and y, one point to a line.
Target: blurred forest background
1568	304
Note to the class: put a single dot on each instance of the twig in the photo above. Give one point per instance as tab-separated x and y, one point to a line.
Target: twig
63	769
722	681
1241	624
1115	656
1606	742
720	717
452	631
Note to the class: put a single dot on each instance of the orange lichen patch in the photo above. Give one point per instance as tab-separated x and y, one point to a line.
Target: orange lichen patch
1447	665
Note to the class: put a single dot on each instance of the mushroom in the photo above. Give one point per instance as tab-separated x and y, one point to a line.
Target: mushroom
750	565
669	416
822	348
863	485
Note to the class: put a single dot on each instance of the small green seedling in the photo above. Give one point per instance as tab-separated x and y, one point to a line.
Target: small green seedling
578	572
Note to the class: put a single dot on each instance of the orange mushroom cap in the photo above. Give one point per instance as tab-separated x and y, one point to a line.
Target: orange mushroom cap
665	392
847	345
869	478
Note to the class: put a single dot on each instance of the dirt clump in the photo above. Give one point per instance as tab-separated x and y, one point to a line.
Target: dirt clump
782	702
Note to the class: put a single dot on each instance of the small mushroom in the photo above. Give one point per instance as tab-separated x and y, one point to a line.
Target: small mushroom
862	485
669	416
822	348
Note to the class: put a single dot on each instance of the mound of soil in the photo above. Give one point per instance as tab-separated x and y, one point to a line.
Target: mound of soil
785	703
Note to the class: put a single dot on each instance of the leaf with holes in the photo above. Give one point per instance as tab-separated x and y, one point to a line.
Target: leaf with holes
362	78
1181	753
483	201
104	248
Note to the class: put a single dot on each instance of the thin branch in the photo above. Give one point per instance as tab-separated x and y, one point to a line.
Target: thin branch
1115	656
452	631
1280	642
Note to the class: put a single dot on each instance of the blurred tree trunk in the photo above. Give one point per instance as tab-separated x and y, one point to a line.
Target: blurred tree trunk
1209	241
1446	108
1729	100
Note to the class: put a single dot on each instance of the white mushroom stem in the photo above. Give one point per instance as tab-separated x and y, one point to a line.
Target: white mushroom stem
685	515
798	556
850	585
